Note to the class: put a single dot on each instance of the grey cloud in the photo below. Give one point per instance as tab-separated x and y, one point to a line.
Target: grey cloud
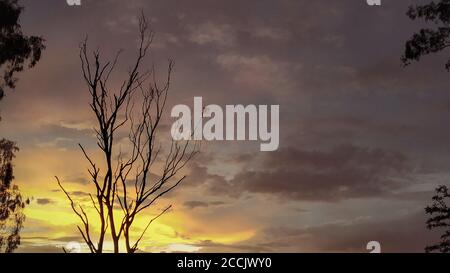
79	193
44	201
208	32
214	247
78	179
259	71
195	204
344	172
201	204
406	234
62	135
27	248
199	176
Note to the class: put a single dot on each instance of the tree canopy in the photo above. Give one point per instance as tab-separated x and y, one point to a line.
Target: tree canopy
16	49
11	201
439	212
429	40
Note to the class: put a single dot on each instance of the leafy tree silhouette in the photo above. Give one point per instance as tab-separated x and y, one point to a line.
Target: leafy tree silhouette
11	201
16	50
439	213
428	41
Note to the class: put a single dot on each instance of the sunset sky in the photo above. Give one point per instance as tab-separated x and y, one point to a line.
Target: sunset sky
363	140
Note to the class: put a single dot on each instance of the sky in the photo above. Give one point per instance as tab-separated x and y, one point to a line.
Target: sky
363	140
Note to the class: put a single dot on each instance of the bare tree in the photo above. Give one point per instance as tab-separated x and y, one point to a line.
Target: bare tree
127	186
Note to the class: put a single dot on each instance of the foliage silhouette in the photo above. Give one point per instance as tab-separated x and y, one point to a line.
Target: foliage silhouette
429	40
16	50
11	201
15	47
439	213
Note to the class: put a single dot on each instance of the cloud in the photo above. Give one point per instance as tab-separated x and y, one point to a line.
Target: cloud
163	40
77	179
199	175
58	142
213	184
343	172
195	204
211	246
201	204
79	193
405	234
271	33
44	201
62	135
259	71
211	33
123	23
346	171
40	249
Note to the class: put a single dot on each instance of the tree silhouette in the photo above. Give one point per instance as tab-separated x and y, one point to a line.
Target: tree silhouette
127	185
11	202
429	40
16	50
439	213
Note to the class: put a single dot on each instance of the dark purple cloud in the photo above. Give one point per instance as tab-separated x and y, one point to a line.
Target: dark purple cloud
345	171
44	201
